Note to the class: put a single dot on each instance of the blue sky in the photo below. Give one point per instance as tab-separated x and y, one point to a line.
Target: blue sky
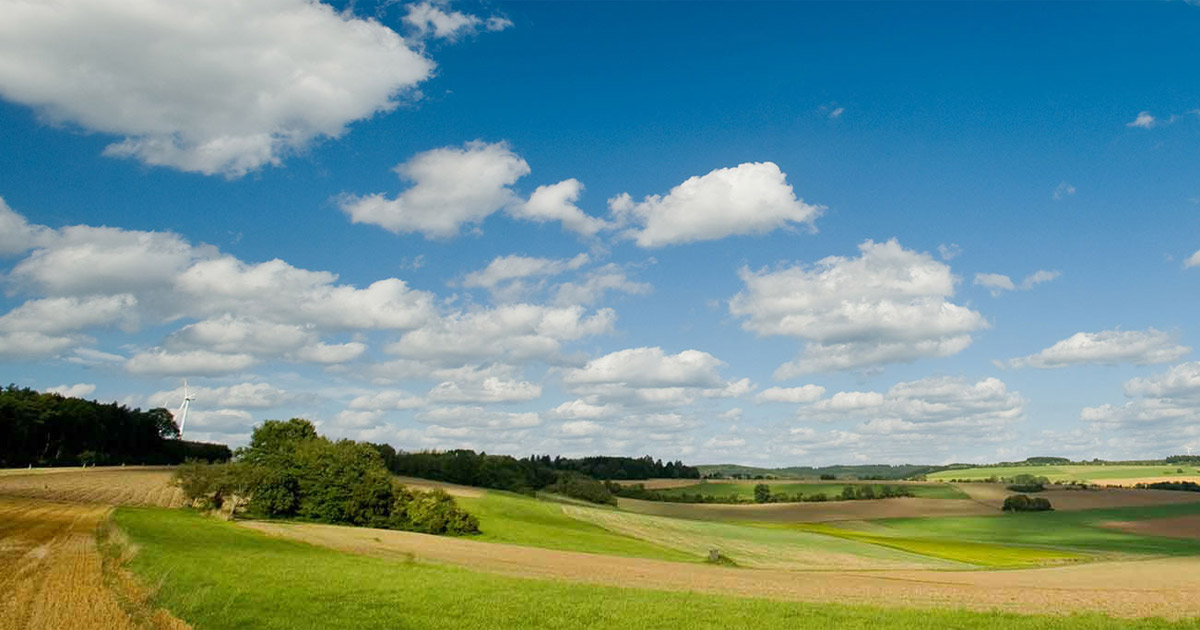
724	232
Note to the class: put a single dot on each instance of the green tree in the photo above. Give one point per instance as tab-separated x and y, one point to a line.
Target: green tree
762	493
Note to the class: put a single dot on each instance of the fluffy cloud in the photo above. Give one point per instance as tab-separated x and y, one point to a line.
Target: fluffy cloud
1163	415
210	86
451	187
1192	261
597	282
918	419
1143	121
430	19
386	400
642	386
751	198
557	203
1108	347
16	235
888	305
507	277
190	363
516	332
478	418
649	367
803	394
492	384
67	314
33	345
78	390
239	396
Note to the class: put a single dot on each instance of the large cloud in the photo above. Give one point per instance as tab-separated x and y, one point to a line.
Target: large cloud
922	420
751	198
1108	347
888	305
1163	415
211	86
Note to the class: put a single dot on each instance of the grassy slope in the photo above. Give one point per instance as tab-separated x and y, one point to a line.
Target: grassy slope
1069	473
216	575
753	546
520	520
1071	531
746	490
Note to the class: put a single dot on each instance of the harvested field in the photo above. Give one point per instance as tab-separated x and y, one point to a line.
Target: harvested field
809	512
1164	588
1178	527
102	486
451	488
993	494
54	575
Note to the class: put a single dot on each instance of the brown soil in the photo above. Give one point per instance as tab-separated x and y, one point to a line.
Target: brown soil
1175	527
54	576
100	486
1165	587
993	494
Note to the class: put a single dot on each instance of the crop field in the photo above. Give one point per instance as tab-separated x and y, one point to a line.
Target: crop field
54	575
549	561
1114	474
744	490
102	486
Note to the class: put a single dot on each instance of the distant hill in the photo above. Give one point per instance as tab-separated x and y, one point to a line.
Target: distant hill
869	471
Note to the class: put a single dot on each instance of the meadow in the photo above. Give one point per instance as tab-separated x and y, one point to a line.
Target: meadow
224	576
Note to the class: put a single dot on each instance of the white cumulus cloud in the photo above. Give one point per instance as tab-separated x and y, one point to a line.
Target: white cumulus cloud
888	305
1107	347
209	86
751	198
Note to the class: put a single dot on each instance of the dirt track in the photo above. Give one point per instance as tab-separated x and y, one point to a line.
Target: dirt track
1164	588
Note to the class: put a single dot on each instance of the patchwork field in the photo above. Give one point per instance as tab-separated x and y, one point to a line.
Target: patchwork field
1123	475
744	490
553	562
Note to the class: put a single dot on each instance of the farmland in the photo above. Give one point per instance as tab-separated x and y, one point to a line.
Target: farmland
1114	474
548	561
744	490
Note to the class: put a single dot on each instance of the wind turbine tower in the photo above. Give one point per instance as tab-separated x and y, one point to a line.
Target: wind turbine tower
181	415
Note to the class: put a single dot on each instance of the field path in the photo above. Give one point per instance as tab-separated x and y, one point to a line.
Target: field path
53	575
1164	587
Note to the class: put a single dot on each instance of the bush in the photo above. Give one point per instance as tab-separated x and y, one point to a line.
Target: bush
578	486
762	493
1024	503
290	471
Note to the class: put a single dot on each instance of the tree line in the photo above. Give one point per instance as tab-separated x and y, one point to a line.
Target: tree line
574	477
762	494
289	471
48	429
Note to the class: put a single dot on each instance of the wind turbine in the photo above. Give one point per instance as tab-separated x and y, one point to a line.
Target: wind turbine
181	415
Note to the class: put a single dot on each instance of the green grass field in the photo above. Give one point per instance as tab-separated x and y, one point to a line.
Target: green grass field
749	545
512	518
1070	473
745	490
216	575
1065	531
